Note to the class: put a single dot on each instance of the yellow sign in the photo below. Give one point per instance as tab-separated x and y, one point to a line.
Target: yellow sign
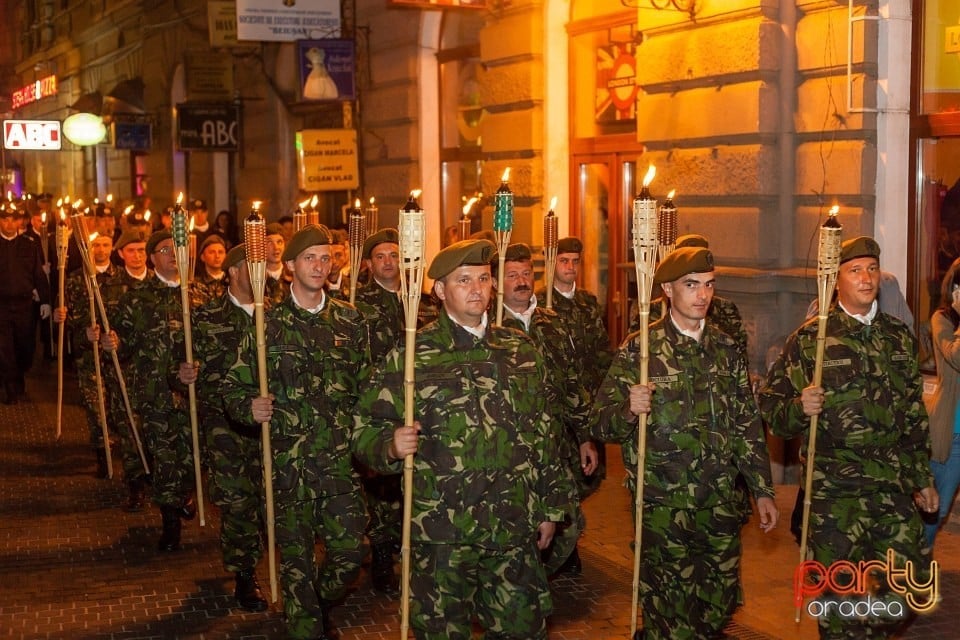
327	159
222	23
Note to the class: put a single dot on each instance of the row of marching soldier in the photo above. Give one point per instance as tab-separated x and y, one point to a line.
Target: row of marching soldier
509	426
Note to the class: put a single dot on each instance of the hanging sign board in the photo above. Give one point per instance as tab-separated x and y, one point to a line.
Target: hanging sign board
327	159
37	135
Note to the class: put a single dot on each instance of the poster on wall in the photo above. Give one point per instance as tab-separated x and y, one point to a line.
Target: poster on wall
440	4
272	20
326	69
327	159
616	89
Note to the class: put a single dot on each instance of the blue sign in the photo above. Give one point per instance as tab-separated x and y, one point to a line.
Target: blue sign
133	136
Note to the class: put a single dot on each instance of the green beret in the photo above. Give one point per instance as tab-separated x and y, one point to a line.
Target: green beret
274	229
692	240
683	261
212	239
234	257
130	236
569	245
156	239
861	247
311	235
384	235
518	252
465	252
9	212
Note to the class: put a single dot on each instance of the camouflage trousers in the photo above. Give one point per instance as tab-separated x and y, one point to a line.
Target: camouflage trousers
167	436
690	571
858	528
236	487
506	590
384	496
88	381
117	410
338	521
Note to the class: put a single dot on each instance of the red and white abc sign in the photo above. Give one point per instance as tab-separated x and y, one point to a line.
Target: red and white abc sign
32	134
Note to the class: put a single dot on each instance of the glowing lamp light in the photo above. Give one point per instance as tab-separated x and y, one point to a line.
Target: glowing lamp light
84	129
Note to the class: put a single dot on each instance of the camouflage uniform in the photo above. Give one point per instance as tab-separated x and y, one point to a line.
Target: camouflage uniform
150	326
487	474
703	429
569	403
209	288
382	310
233	449
723	314
77	322
112	289
317	364
872	448
584	321
276	289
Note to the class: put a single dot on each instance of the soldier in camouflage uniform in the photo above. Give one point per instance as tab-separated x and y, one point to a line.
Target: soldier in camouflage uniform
233	448
132	251
569	400
379	303
583	316
703	428
338	282
210	276
489	485
149	327
317	358
76	313
277	285
871	462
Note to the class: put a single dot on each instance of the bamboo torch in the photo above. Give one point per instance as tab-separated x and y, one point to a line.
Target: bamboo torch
550	241
466	224
412	231
79	236
63	237
502	228
645	245
299	217
372	213
255	239
357	234
828	266
667	226
45	249
182	248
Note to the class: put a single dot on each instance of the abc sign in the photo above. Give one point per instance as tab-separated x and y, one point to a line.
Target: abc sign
32	134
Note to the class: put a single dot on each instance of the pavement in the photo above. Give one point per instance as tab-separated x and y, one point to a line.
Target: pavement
74	565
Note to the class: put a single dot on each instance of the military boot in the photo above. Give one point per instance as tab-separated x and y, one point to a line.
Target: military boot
102	471
329	630
170	538
188	510
381	569
572	565
134	503
247	592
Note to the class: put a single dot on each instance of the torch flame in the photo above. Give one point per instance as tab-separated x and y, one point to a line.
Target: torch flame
372	200
553	203
109	197
835	209
470	203
191	224
96	201
43	217
125	211
78	203
63	217
356	203
146	215
313	201
180	198
416	193
66	200
651	172
303	204
672	193
59	202
506	175
256	205
93	236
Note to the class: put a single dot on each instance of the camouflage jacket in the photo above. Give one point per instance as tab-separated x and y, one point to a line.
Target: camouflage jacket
722	314
570	400
584	319
209	288
872	433
115	285
317	363
149	322
275	290
383	312
78	311
219	327
703	427
488	471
